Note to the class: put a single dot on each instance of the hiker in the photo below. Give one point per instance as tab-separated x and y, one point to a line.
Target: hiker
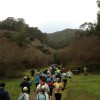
42	95
32	73
54	78
25	83
64	78
36	80
85	71
49	82
58	86
4	95
38	72
79	69
24	95
69	74
45	71
43	83
29	81
43	74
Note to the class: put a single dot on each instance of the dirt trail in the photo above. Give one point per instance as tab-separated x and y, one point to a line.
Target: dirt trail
33	96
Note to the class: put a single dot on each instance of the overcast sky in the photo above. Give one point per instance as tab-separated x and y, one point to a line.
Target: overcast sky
50	15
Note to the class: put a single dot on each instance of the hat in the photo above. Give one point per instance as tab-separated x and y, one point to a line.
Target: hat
58	79
25	77
25	89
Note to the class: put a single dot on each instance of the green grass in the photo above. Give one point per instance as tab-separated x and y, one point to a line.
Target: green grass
80	88
12	86
83	88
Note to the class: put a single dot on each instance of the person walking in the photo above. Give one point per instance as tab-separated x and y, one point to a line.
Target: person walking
43	83
25	83
32	73
36	80
69	74
24	95
4	95
58	86
42	95
64	78
85	71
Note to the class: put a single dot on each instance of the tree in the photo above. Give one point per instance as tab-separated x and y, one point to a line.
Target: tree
8	23
22	39
98	20
21	25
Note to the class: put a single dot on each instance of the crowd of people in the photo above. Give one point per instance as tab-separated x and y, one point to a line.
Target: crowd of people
52	78
48	82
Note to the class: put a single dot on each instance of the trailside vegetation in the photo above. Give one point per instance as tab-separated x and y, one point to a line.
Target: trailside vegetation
17	49
84	49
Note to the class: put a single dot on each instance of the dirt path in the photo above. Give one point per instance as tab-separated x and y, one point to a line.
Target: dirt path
33	96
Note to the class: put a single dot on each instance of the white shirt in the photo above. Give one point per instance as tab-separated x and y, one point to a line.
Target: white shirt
69	73
46	86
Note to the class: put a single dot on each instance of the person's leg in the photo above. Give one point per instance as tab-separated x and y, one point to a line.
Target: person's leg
55	96
58	96
51	89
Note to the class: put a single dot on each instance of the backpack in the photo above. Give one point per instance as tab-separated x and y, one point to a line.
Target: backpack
48	80
21	96
42	94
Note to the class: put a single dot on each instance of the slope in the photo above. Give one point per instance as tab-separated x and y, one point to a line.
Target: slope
63	37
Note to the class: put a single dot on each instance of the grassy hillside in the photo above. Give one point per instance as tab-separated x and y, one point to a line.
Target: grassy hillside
61	37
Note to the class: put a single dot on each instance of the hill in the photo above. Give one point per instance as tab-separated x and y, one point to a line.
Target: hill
63	38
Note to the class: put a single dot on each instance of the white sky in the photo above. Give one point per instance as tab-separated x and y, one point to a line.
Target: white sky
50	15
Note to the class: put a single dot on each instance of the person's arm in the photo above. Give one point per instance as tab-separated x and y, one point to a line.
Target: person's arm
21	84
37	88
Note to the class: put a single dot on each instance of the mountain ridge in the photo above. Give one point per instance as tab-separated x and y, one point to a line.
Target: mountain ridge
63	37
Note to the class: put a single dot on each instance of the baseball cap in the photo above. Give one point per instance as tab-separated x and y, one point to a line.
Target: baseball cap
25	88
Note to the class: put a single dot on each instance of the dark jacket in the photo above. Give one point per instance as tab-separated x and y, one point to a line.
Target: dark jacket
25	83
4	94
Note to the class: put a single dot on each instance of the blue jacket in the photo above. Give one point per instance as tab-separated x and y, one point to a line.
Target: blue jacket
4	94
36	79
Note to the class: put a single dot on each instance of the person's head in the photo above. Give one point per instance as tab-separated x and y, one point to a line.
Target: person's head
58	80
44	79
25	78
25	89
2	85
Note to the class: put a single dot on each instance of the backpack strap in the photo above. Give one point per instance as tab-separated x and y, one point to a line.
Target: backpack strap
21	97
